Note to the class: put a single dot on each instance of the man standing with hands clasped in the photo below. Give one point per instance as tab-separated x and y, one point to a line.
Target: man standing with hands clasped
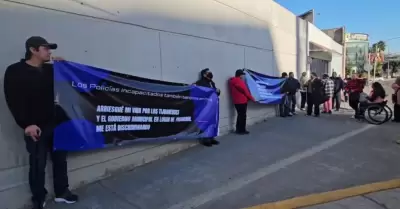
28	89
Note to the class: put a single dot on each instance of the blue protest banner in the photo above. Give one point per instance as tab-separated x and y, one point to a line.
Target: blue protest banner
265	89
97	108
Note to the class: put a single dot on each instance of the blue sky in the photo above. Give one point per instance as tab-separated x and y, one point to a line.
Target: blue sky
379	19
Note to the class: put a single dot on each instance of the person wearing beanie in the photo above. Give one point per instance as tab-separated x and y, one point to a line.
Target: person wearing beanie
240	96
206	80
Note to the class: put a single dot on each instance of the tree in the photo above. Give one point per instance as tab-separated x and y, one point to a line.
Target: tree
381	45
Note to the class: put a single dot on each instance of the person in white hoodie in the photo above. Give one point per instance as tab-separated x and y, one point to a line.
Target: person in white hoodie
303	90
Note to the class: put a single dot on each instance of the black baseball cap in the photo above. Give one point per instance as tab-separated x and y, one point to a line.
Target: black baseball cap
37	41
239	73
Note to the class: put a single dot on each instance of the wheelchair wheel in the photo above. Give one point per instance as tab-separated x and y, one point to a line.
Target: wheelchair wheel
377	114
390	111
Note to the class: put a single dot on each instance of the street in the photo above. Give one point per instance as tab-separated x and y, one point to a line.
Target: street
281	158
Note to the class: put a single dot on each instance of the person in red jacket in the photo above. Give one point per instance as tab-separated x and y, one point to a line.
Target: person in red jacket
355	87
240	96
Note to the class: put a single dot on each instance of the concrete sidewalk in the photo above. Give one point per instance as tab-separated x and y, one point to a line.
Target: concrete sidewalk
389	199
281	158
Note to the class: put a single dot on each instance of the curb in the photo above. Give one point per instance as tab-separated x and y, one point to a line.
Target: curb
331	196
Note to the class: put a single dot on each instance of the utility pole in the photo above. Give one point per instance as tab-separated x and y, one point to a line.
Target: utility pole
388	64
375	60
369	68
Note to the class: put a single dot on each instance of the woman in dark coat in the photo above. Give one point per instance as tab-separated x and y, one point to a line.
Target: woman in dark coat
315	95
205	80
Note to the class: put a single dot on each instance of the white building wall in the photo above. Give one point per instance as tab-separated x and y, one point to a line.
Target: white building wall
169	40
337	65
321	39
333	53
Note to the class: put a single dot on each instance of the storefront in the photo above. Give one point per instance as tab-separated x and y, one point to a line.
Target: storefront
357	45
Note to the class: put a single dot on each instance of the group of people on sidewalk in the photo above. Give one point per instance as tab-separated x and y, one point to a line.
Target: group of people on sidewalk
314	91
328	91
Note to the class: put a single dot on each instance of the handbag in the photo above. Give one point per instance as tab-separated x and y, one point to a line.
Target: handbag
394	96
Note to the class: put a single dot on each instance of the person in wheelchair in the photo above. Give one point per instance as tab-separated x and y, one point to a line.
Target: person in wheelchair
376	96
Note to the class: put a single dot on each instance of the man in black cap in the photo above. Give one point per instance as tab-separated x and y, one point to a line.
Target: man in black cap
28	89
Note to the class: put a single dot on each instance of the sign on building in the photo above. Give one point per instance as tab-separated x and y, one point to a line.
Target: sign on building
356	37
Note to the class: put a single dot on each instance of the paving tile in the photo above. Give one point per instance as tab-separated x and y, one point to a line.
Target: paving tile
95	196
390	198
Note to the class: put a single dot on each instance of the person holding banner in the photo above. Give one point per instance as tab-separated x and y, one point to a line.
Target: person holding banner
240	96
205	80
284	107
28	90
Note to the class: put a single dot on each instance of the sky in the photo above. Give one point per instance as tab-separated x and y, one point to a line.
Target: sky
379	19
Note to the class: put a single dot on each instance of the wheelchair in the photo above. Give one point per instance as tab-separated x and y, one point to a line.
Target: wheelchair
378	113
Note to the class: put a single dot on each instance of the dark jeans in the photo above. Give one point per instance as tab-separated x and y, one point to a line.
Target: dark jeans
396	113
241	110
311	103
303	99
284	106
37	164
292	102
346	96
336	100
354	100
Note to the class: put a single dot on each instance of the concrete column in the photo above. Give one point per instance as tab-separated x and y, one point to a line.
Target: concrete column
308	50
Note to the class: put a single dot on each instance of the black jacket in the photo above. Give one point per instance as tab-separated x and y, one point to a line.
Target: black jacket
317	91
290	86
29	94
207	83
339	84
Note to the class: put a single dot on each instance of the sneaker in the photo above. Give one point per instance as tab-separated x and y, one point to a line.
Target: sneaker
39	206
294	113
242	132
290	114
215	142
206	143
67	197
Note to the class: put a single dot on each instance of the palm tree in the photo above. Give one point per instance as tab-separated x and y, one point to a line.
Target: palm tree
381	45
